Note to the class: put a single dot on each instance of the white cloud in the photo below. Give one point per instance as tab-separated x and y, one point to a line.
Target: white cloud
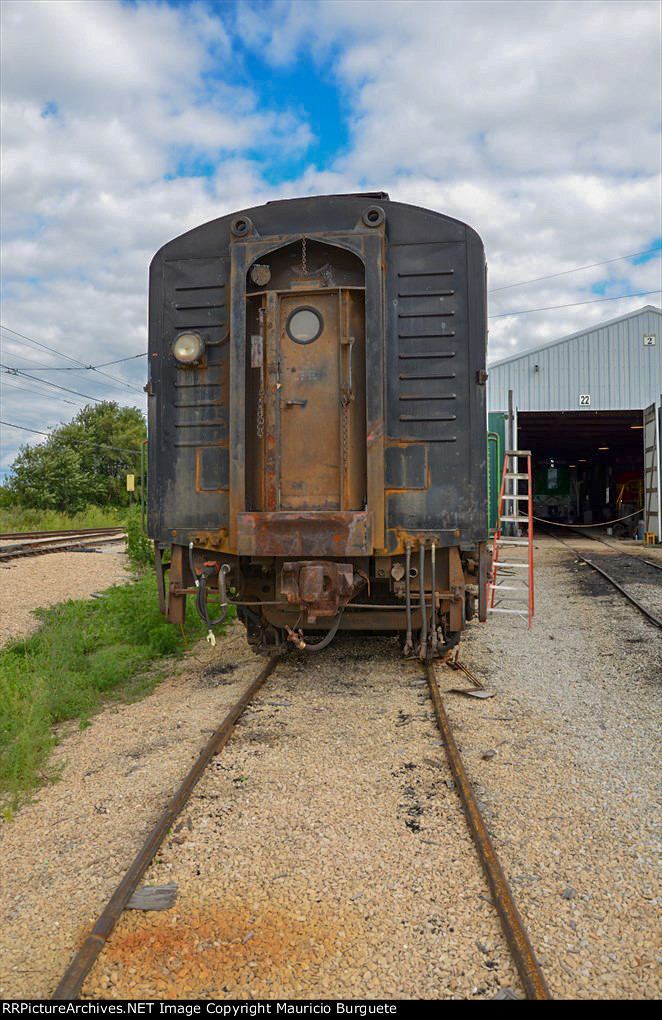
538	123
101	102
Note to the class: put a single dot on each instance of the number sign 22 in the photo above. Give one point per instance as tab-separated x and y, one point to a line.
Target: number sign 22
584	399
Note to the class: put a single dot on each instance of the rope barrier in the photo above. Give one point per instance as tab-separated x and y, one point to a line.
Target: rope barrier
600	524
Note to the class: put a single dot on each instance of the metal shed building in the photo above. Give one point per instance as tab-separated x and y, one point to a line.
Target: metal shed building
589	406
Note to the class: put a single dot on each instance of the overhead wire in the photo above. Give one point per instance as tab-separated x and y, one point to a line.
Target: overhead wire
75	368
132	357
577	269
46	382
575	304
78	376
68	357
9	378
57	368
11	425
49	435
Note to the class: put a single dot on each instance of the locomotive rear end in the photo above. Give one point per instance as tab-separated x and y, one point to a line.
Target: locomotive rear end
317	421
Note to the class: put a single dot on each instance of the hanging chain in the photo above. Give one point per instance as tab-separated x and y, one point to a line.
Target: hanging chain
344	403
259	425
304	264
260	406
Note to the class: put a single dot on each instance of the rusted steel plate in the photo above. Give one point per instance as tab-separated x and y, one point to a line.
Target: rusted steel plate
309	397
304	533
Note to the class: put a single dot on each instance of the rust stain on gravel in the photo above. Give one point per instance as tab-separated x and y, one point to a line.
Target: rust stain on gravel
219	951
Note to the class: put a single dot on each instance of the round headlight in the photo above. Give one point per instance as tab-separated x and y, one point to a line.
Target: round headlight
188	347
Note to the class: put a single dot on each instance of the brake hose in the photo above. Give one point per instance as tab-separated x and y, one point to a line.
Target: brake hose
201	594
329	637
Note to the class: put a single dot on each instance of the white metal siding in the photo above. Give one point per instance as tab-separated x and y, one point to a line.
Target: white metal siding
609	361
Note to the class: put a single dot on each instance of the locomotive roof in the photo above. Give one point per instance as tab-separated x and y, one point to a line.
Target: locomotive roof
410	223
380	196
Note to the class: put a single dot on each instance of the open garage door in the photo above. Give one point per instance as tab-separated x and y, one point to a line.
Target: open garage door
588	466
651	471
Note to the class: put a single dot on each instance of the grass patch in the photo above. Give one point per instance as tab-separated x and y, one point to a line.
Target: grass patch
83	652
20	519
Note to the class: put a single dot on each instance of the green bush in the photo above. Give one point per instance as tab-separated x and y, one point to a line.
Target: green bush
139	547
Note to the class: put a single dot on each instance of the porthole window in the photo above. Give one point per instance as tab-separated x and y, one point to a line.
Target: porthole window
304	325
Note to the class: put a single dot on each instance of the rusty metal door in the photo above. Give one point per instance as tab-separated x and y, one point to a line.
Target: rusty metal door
310	470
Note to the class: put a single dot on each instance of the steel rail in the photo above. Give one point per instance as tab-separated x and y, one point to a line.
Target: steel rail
12	552
614	548
70	985
655	620
518	941
8	535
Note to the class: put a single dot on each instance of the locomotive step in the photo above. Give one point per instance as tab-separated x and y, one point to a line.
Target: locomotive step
520	520
511	541
516	474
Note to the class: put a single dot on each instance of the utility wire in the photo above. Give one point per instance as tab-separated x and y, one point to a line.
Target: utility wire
574	304
56	368
67	357
120	360
23	428
113	395
66	368
45	382
577	269
41	393
102	446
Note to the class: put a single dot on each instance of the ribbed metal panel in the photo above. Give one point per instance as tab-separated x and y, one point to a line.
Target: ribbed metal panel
608	361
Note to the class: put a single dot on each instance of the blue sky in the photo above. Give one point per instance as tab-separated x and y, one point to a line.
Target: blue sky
302	85
125	124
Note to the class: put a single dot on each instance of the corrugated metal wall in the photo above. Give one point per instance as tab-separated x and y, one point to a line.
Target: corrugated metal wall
609	362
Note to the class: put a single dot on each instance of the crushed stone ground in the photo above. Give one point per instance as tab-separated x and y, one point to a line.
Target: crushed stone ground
324	852
35	581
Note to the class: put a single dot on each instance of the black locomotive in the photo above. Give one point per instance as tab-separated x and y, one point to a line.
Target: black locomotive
317	425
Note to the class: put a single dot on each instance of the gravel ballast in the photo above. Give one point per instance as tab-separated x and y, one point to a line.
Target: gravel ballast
35	581
324	852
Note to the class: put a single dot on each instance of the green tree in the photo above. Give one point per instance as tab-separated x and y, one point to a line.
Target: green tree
50	478
84	461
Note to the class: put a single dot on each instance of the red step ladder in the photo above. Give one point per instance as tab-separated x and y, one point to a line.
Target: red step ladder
512	577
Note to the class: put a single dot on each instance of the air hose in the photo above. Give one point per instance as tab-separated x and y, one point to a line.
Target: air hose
201	593
297	636
328	638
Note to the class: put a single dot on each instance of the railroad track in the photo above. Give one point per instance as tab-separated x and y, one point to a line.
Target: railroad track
524	957
621	552
651	617
37	543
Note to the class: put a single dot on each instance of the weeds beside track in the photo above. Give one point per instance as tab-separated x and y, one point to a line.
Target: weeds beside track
83	652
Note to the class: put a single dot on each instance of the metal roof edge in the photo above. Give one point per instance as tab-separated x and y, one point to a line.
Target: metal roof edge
574	336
